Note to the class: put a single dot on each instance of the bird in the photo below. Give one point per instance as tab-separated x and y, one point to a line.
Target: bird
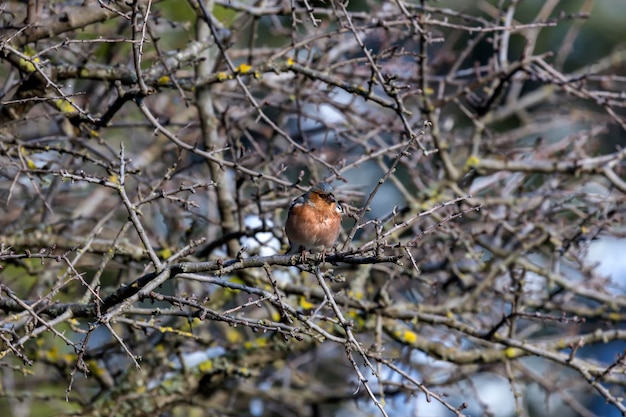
314	219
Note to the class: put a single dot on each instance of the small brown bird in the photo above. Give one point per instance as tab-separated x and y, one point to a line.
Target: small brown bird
314	219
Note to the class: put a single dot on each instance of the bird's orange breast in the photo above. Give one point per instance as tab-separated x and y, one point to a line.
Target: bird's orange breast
312	225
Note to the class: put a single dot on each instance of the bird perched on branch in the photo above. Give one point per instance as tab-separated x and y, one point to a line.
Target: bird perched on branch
314	219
